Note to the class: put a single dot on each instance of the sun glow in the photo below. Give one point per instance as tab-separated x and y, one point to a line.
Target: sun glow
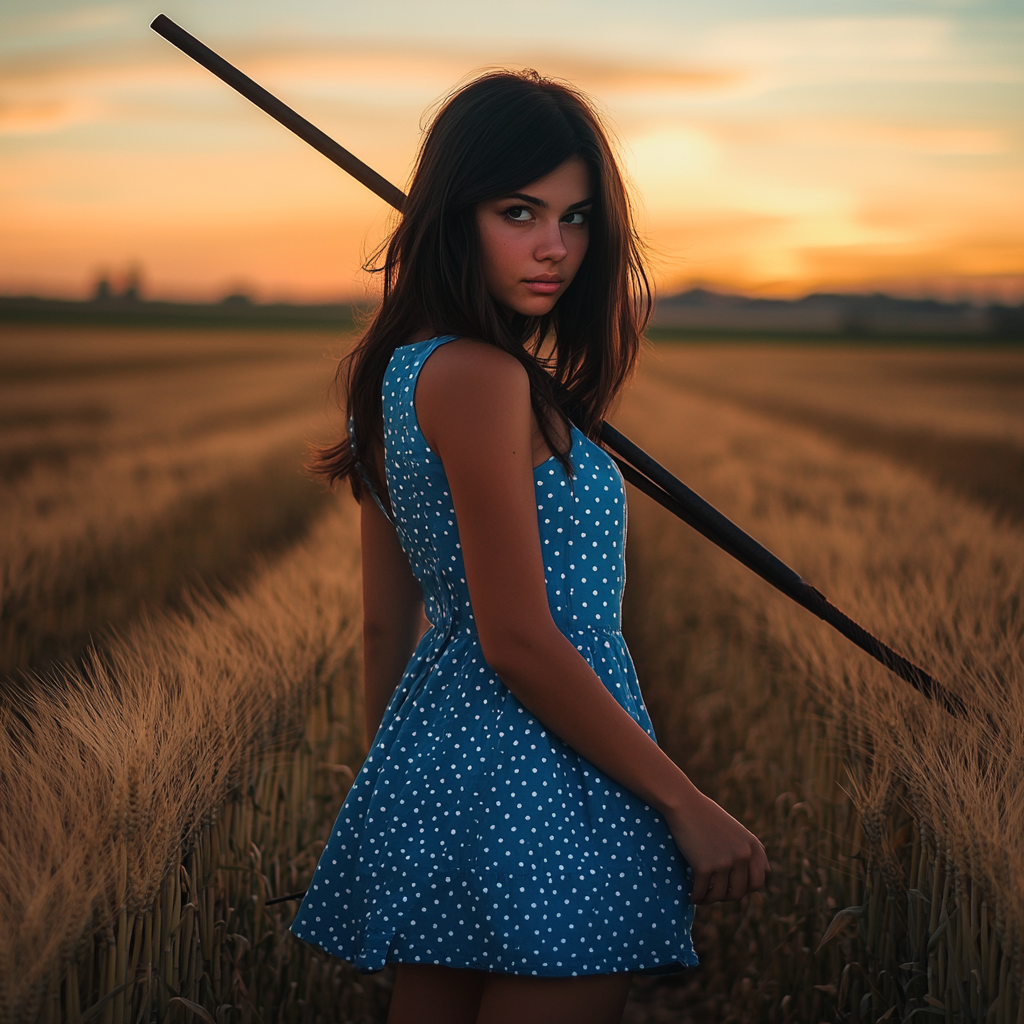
772	155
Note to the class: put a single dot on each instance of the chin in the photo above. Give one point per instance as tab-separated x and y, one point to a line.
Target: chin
535	305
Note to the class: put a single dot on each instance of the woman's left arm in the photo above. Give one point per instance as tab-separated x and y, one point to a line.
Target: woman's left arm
392	612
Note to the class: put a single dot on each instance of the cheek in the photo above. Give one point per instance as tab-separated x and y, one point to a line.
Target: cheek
578	246
502	250
493	251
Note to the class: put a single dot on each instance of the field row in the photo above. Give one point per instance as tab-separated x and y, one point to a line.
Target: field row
956	417
188	725
173	461
116	767
869	798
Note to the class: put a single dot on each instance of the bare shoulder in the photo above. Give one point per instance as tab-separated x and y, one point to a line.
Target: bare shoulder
465	367
472	393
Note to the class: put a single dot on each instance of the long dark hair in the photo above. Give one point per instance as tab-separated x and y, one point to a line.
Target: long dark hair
492	137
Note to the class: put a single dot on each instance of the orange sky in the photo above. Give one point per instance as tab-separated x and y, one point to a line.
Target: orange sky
775	148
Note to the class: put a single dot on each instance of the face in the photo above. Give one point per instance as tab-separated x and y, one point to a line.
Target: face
532	242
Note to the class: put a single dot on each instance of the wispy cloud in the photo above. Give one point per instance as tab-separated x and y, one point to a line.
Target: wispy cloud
853	133
31	31
770	152
860	49
372	65
73	84
38	116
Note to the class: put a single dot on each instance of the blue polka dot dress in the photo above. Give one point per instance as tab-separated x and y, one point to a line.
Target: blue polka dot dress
473	837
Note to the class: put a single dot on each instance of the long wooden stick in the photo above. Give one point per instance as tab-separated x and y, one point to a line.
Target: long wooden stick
657	482
636	465
308	132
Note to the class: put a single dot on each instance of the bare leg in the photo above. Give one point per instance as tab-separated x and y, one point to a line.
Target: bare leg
428	994
522	999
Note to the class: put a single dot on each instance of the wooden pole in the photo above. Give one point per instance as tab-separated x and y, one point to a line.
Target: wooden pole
636	465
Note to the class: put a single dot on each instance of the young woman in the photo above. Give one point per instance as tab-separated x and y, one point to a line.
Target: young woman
516	842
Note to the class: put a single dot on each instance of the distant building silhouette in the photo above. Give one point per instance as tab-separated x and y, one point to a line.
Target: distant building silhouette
102	291
106	287
132	291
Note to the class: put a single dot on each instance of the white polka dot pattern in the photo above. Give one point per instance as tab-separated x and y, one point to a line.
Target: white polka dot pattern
472	837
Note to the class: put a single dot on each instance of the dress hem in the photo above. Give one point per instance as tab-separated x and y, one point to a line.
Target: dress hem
371	963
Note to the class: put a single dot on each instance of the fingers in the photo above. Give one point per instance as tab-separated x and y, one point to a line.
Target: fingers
711	887
757	870
701	882
736	886
733	881
724	885
727	861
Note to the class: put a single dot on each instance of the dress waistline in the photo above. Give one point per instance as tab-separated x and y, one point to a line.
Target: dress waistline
466	629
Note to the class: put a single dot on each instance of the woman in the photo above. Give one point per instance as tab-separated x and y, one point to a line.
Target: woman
516	841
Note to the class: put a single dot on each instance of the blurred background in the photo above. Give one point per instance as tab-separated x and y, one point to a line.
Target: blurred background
778	147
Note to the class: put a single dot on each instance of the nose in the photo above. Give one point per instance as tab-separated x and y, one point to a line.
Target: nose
550	245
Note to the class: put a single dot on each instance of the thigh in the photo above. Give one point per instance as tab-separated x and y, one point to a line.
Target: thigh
516	998
429	994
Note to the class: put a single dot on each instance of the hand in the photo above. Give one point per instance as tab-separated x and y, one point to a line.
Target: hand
727	860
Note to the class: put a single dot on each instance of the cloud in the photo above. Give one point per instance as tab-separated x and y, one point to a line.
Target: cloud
851	49
67	85
849	40
165	162
83	18
372	66
44	115
406	76
30	31
951	139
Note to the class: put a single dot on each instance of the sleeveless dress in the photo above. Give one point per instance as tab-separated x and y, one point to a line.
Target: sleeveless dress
472	837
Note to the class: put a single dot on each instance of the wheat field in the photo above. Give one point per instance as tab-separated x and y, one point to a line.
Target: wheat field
181	715
870	800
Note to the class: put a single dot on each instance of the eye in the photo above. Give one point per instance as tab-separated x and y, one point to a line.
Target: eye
576	219
519	214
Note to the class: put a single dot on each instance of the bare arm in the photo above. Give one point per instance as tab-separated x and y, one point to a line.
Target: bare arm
392	612
473	405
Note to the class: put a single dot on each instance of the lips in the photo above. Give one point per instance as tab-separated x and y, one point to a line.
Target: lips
544	284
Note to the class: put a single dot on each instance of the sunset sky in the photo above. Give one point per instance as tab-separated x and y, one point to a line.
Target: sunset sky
776	146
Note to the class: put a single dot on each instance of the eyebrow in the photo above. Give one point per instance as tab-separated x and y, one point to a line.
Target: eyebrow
540	202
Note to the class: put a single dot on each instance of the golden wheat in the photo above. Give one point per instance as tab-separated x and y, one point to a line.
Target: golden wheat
110	768
955	416
121	485
170	785
765	702
953	392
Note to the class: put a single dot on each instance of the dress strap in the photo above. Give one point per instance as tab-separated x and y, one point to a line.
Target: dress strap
363	475
398	405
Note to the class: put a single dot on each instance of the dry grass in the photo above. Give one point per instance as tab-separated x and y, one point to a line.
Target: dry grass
166	785
123	485
170	783
955	415
113	769
965	392
777	716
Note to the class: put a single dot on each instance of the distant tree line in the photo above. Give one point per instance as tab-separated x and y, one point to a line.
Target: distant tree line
695	311
829	313
129	309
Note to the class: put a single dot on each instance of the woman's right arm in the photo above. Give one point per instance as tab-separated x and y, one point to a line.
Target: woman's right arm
473	405
392	612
